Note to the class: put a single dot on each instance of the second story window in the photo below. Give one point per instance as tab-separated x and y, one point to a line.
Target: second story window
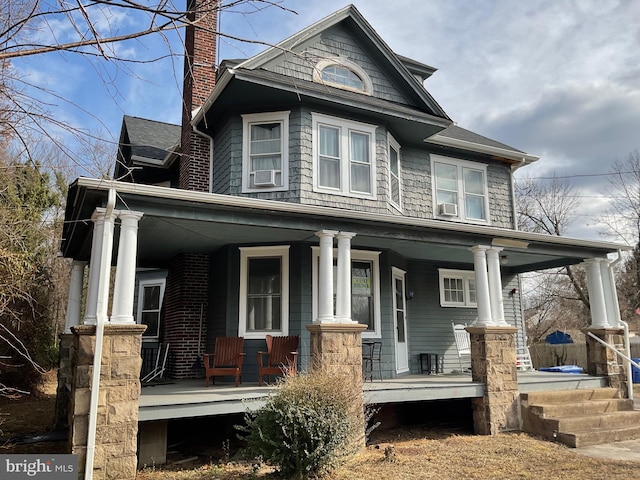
265	152
395	184
343	155
460	190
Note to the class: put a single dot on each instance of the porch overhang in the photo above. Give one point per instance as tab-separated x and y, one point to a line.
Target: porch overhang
180	221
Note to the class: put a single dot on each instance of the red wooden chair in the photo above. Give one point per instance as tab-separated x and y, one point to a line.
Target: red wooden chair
226	360
281	357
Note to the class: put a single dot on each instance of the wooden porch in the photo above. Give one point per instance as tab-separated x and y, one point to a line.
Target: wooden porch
190	398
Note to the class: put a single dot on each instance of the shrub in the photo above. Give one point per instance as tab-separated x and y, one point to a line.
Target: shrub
309	426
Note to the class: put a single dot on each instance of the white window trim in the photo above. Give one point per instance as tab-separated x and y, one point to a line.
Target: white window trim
345	162
246	253
147	283
465	276
348	64
270	117
460	164
396	146
356	255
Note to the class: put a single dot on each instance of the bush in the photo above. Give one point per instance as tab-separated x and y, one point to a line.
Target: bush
309	426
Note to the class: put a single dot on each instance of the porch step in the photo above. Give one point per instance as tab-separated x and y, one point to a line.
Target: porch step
580	417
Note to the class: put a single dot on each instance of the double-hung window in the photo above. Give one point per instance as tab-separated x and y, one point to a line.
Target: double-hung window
150	296
457	288
365	288
264	291
265	151
344	157
460	189
395	184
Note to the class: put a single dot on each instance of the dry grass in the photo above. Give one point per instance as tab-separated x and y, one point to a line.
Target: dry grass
411	453
422	453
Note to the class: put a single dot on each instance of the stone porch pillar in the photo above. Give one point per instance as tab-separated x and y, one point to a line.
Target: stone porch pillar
493	362
337	350
117	428
65	346
602	362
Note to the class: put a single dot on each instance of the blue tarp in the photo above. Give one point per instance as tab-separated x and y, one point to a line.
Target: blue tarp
558	337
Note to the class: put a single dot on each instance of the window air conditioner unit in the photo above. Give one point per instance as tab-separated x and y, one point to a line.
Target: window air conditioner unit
264	178
448	209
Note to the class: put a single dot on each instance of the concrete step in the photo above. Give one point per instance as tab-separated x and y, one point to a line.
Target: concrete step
566	396
580	417
582	408
607	420
598	436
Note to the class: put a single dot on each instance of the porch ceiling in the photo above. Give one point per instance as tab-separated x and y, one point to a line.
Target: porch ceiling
178	221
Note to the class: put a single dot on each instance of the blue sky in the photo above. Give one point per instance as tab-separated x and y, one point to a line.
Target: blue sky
556	79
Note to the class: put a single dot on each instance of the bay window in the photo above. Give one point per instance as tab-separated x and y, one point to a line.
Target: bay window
344	156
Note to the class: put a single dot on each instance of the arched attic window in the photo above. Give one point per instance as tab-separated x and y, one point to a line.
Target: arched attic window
344	74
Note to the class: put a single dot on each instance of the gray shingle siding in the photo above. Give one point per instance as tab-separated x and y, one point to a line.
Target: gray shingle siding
415	164
333	43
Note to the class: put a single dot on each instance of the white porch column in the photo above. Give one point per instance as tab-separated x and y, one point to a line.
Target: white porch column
596	293
482	285
104	271
122	308
94	267
343	293
610	295
74	304
495	286
325	277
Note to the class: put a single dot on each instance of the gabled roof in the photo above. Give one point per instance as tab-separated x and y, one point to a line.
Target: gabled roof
150	141
403	71
462	139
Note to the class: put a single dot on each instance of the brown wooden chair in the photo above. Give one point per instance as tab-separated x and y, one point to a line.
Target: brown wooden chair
282	355
226	360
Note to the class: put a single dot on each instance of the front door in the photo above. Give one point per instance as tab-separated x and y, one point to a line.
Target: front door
400	317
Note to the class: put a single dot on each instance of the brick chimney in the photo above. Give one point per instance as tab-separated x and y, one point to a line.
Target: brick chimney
199	80
186	306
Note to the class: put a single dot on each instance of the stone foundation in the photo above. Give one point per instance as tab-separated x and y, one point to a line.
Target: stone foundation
65	379
493	362
117	423
602	362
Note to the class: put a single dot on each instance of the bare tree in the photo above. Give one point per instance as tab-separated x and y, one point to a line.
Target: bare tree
622	221
93	29
549	207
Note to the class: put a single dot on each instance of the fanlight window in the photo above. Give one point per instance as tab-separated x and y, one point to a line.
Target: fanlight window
342	73
339	75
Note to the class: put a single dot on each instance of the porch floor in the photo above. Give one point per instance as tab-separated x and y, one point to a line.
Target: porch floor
189	398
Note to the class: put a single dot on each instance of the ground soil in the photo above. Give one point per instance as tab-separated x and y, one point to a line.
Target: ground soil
415	452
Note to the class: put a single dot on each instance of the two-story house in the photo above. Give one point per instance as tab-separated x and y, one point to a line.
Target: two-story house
327	141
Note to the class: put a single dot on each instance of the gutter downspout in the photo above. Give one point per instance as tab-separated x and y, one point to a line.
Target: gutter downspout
101	318
625	326
210	138
513	191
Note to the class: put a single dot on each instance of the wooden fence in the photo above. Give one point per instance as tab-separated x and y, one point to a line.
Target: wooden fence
545	355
